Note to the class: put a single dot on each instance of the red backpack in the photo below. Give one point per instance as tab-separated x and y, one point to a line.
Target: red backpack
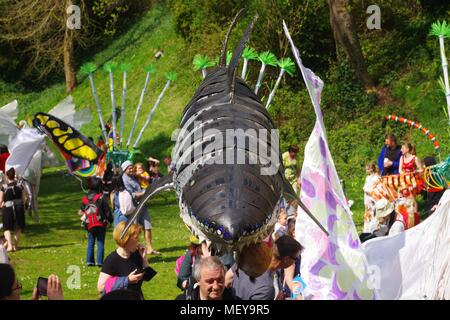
92	211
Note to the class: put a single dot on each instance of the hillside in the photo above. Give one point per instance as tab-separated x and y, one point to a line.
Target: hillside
355	136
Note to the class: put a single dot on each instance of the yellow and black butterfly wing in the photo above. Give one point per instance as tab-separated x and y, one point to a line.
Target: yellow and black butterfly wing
69	141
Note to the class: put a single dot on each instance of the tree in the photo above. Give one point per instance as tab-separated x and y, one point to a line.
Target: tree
39	31
345	36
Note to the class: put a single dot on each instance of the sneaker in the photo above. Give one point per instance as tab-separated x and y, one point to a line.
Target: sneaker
99	265
90	264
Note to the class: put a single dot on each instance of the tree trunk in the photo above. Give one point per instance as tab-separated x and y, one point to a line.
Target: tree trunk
346	37
69	58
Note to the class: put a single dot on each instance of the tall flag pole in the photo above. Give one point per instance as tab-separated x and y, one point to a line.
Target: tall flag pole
267	59
286	66
110	67
124	68
171	76
248	54
150	69
88	69
202	63
442	31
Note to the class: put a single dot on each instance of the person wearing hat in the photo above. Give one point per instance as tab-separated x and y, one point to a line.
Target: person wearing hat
388	218
132	185
390	222
153	169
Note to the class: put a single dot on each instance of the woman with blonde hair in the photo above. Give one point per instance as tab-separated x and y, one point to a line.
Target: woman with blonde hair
126	267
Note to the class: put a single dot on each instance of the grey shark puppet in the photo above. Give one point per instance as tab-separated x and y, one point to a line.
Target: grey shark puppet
229	189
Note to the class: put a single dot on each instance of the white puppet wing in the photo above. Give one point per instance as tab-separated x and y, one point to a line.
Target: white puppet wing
65	110
8	127
22	149
11	110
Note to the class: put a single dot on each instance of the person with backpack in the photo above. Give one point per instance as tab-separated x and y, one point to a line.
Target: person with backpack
12	199
95	214
185	263
120	199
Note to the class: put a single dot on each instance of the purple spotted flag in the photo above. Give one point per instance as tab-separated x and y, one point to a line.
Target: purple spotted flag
333	267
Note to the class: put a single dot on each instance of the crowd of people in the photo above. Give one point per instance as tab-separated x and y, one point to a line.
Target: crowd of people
395	214
201	272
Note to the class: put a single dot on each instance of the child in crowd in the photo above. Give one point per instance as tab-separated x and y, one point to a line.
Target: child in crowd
370	223
153	168
142	175
281	225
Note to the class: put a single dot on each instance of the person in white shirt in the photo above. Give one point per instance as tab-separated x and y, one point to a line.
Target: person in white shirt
372	178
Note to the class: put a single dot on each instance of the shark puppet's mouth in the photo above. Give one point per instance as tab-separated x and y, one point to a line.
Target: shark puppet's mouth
220	235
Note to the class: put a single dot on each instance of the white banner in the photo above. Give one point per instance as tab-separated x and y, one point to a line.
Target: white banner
22	149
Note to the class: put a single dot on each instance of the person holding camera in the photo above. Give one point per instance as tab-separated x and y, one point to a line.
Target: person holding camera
10	287
126	267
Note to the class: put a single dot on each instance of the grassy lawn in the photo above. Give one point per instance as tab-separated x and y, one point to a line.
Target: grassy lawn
58	241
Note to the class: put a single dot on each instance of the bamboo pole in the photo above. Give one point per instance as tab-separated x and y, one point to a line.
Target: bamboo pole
141	99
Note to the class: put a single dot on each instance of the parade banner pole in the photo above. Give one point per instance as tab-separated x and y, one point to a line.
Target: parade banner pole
88	69
150	69
171	76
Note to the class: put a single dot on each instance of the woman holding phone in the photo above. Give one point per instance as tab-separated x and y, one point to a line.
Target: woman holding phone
126	267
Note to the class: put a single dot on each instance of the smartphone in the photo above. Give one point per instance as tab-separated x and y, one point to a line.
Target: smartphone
140	270
42	286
